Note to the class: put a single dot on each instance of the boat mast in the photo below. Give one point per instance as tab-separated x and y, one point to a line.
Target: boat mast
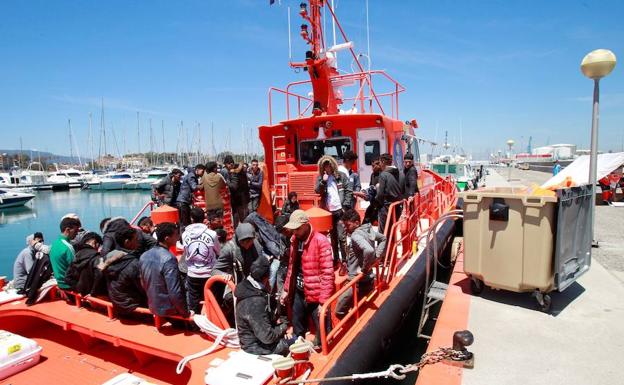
151	158
138	135
91	142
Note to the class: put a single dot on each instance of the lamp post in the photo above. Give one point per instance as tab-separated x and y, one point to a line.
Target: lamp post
596	65
510	143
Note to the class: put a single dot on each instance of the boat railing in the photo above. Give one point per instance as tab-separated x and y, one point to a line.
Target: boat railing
354	313
368	100
149	205
402	233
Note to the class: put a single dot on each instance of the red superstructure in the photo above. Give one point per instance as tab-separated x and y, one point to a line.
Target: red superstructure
321	117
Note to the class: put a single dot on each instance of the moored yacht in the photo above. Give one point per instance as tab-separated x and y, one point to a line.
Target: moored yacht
112	181
14	198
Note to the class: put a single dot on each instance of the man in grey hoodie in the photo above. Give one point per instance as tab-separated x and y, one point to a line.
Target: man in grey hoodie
26	259
367	246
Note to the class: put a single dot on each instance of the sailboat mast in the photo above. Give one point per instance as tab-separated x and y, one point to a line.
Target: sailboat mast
138	134
71	142
162	128
91	141
151	161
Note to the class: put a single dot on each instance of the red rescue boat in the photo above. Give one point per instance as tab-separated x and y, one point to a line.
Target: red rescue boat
84	343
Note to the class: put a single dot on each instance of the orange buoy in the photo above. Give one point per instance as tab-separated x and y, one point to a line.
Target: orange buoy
321	220
165	213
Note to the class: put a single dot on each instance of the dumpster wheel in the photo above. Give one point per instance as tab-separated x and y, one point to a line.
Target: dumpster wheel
476	285
543	301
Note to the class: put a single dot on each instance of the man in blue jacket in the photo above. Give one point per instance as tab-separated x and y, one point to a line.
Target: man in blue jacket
190	183
160	277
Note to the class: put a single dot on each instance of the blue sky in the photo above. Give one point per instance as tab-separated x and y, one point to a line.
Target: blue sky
497	69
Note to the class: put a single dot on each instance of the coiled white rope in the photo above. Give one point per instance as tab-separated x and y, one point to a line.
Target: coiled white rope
228	338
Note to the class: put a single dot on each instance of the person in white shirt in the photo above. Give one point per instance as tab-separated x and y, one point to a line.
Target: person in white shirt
201	250
336	193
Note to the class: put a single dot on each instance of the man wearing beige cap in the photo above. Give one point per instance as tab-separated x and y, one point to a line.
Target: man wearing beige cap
310	278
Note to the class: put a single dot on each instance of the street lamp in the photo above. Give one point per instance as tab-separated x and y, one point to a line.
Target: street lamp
596	65
510	143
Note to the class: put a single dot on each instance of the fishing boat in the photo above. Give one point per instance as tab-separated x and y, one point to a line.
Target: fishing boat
457	167
14	198
89	345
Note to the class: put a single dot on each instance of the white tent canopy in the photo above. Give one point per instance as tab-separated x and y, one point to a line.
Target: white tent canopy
578	170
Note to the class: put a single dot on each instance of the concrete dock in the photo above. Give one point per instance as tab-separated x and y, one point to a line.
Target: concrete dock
580	341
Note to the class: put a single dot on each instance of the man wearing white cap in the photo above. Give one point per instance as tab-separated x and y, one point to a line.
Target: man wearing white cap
310	278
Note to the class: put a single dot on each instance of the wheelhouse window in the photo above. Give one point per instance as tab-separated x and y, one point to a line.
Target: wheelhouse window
372	150
310	151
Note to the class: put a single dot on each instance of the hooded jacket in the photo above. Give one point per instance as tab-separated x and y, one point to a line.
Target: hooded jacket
169	189
212	183
23	264
161	280
233	259
389	189
83	276
345	188
201	250
116	224
123	279
367	245
317	265
256	333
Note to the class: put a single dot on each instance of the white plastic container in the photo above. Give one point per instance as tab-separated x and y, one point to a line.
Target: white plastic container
17	353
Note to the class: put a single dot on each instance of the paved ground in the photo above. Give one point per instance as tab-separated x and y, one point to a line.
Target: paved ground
580	342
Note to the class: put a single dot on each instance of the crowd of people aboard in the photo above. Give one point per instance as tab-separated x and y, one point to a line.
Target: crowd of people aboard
281	268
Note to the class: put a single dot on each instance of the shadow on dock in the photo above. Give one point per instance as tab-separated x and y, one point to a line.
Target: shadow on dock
560	300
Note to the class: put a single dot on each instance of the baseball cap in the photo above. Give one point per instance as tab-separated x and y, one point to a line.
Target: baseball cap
297	218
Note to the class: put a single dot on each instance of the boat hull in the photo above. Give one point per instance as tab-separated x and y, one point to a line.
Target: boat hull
375	338
15	201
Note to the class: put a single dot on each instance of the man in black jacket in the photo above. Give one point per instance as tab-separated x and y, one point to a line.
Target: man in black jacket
409	177
389	190
167	189
82	275
189	184
257	331
122	272
236	179
110	227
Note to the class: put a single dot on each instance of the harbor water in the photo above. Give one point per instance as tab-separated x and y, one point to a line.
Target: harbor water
44	214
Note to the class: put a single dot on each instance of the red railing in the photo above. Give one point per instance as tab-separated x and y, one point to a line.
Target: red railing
149	205
365	77
404	231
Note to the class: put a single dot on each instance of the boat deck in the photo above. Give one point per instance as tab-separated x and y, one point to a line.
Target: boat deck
95	348
580	341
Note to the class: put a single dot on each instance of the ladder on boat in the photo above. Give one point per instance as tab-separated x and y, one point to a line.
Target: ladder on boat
280	170
434	291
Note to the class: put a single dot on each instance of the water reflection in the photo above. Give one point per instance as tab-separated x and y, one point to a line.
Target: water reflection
46	210
16	214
